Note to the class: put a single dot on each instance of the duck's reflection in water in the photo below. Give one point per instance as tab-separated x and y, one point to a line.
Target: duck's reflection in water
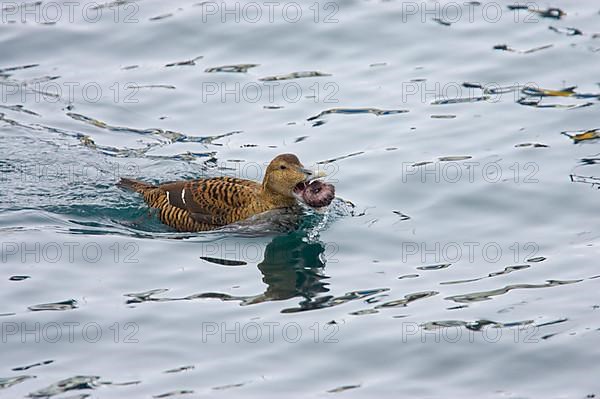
292	267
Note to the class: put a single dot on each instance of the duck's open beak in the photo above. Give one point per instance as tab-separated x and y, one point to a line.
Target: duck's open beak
309	176
312	174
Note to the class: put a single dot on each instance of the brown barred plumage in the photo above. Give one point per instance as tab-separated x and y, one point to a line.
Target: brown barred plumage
206	204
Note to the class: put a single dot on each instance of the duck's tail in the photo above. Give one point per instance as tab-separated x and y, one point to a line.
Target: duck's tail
135	185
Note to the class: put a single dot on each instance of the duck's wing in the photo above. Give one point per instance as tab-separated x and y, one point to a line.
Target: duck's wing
216	201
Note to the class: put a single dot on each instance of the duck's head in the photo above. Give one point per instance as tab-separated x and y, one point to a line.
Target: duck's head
287	177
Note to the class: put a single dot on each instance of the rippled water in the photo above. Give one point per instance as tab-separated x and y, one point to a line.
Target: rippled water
459	259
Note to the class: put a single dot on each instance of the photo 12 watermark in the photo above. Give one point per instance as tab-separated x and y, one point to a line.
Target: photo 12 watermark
256	171
446	253
446	93
253	12
52	91
451	12
53	12
68	252
487	332
68	332
20	173
270	92
447	170
239	254
268	332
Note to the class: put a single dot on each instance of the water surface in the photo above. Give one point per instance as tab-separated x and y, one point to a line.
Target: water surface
458	260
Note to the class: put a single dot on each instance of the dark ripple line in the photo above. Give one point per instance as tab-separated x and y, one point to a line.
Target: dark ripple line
174	393
407	299
330	301
340	158
16	68
236	68
224	262
9	382
353	111
78	382
344	388
435	267
295	75
507	270
229	386
476	325
553	322
23	368
184	63
179	369
64	305
460	100
486	295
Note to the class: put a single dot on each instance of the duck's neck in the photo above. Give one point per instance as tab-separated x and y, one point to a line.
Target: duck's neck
275	199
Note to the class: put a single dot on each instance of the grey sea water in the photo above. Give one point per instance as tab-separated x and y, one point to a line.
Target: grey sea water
459	259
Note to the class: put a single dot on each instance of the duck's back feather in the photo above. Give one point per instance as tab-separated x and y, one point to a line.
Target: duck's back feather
202	204
217	201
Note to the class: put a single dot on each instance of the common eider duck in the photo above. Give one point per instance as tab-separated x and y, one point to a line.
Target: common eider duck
207	204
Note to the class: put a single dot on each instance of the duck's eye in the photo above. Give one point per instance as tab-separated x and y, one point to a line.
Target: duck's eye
283	167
